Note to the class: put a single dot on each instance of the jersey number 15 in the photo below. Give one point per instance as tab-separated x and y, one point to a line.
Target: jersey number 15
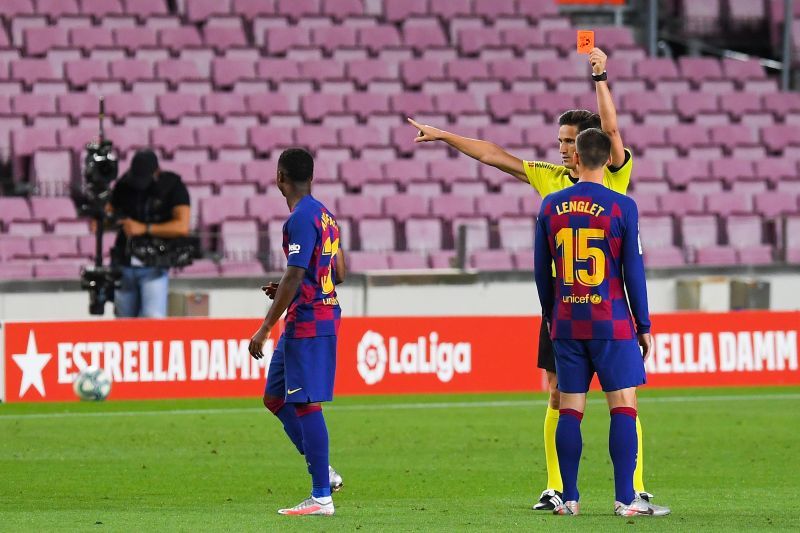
567	238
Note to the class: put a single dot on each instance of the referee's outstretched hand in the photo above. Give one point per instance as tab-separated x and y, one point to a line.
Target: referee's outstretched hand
425	133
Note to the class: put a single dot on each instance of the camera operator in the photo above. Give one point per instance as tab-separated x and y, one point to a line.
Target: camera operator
150	204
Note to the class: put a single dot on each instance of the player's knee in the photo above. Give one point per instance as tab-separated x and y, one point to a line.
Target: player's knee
273	403
303	409
555	399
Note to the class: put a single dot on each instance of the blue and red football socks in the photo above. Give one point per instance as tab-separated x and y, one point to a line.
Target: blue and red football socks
315	445
569	444
288	417
622	445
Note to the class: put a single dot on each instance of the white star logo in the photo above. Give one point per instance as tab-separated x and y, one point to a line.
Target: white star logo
31	363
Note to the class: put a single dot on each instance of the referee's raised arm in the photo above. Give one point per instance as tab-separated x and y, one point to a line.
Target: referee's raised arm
486	152
605	106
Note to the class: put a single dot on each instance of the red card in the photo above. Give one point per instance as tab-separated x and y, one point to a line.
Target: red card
585	41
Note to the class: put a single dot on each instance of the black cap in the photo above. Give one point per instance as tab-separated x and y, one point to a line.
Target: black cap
143	165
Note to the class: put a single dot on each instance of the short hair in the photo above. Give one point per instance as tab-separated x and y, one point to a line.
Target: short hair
583	119
593	147
297	165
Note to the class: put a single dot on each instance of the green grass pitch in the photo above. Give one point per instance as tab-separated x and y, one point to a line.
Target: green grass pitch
723	459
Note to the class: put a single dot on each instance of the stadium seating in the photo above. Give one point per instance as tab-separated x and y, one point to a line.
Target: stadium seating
219	88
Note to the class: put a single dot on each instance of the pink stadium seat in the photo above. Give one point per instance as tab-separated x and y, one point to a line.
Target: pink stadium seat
278	40
777	138
31	105
657	231
771	204
177	39
681	203
132	70
738	69
681	172
408	261
716	256
64	268
697	69
240	239
39	40
423	34
266	139
733	136
222	38
377	234
516	233
378	38
200	268
699	231
145	8
329	38
52	246
226	72
28	140
13	246
297	8
30	71
666	257
495	206
80	72
405	206
744	230
267	208
365	261
341	9
358	207
200	10
91	37
473	41
399	10
170	138
101	8
736	104
52	209
492	260
136	38
791	235
689	104
423	234
453	205
220	172
215	209
477	232
728	203
220	136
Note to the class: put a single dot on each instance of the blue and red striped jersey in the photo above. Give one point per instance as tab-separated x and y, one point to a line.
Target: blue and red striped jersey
592	234
311	241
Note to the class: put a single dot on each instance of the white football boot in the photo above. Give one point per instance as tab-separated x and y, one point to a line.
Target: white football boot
640	507
336	480
311	507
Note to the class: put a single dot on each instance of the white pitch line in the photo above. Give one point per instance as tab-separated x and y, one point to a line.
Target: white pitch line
406	406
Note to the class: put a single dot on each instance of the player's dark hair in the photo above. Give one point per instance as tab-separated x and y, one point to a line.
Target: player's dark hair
583	119
593	147
296	164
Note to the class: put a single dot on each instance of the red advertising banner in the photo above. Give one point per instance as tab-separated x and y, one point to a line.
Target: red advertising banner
192	358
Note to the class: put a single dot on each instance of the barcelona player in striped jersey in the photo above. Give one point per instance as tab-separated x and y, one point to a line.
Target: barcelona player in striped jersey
546	178
591	234
303	365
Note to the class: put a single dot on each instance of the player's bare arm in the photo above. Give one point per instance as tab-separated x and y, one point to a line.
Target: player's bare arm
486	152
646	342
341	267
285	292
606	109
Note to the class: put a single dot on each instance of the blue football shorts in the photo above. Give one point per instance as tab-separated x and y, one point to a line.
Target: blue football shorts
302	370
618	363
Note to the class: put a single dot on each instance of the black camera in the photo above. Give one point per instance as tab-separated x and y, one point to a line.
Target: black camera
91	196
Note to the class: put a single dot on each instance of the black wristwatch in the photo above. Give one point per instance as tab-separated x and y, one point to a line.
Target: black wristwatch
600	77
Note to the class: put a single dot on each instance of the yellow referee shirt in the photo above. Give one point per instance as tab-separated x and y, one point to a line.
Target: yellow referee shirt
547	178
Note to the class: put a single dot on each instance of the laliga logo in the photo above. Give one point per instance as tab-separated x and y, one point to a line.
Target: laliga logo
425	356
372	357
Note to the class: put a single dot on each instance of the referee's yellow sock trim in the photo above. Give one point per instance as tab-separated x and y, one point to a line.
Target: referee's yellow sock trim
638	474
550	454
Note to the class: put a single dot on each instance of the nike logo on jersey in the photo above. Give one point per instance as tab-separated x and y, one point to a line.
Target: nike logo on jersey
292	391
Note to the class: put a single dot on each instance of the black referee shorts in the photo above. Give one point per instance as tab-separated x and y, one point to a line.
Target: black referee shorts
547	358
